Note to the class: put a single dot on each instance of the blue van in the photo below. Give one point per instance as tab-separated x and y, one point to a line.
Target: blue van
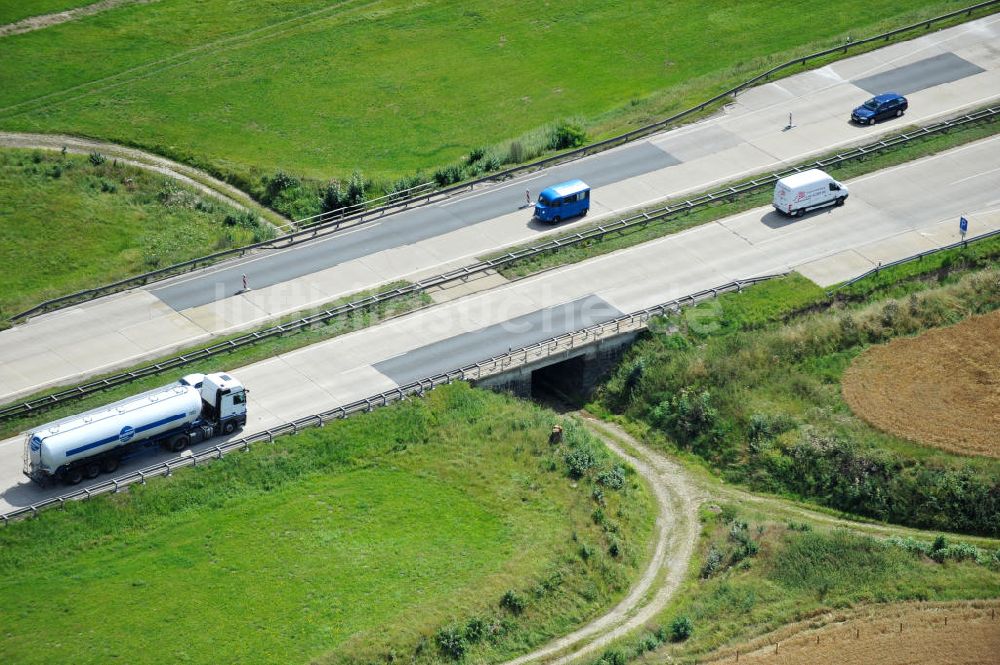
559	202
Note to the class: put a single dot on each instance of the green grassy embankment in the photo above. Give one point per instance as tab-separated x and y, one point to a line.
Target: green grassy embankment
389	89
74	222
759	399
391	535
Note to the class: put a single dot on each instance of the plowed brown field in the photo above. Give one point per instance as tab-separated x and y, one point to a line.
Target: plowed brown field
941	388
932	634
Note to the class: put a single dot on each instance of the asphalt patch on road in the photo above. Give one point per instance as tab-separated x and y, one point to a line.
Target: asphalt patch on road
472	347
919	75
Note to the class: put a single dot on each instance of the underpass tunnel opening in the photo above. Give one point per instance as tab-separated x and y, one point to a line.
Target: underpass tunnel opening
562	382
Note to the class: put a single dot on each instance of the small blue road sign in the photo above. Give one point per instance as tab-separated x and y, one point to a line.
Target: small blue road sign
963	225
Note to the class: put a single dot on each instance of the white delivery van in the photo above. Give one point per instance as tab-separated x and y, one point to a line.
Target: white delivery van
797	193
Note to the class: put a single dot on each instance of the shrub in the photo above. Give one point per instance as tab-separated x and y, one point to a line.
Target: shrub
688	416
97	158
613	657
356	188
613	478
764	428
567	135
449	175
332	198
476	154
492	162
579	461
475	630
680	629
451	642
512	602
278	183
515	153
712	563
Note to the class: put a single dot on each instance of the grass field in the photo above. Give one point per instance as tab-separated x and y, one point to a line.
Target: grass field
941	388
363	539
70	224
884	635
321	89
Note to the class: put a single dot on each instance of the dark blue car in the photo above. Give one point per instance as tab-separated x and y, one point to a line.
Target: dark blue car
880	107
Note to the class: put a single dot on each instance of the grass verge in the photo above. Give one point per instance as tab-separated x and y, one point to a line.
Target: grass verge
922	147
436	528
75	222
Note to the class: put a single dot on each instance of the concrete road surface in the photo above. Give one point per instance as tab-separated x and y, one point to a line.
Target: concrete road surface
889	215
942	73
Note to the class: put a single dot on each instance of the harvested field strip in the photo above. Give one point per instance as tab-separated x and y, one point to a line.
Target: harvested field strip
39	21
941	388
927	633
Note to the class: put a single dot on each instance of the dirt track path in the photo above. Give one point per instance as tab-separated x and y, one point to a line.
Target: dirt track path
676	534
45	20
189	175
678	494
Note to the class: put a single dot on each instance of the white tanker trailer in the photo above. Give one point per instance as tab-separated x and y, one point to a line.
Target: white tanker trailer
196	408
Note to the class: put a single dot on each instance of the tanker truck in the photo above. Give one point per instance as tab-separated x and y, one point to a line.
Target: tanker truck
191	410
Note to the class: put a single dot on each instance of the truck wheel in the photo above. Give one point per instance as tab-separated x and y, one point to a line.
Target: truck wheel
179	442
556	219
229	427
110	464
840	200
92	470
73	476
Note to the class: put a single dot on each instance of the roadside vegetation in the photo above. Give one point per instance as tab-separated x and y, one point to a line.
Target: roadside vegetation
73	222
754	391
916	149
492	85
436	529
754	574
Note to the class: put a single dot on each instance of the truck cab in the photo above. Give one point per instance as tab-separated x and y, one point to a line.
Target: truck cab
224	401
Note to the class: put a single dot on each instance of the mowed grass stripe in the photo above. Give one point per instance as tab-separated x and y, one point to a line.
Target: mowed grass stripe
392	89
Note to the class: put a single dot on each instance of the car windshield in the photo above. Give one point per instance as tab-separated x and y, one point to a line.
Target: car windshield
871	105
544	200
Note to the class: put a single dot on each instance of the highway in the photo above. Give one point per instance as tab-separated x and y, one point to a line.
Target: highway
942	73
890	214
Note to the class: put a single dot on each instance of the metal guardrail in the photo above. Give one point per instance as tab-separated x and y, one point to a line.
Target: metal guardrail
916	257
345	217
416	192
596	233
495	365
